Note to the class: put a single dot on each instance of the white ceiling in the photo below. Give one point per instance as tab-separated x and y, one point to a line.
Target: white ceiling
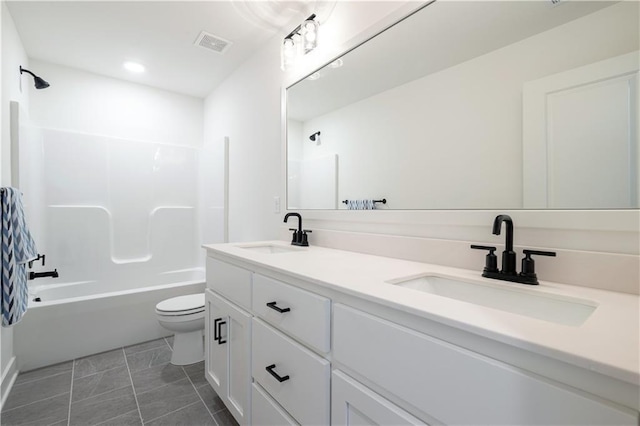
98	36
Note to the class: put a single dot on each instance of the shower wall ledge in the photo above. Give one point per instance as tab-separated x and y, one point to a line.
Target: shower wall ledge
84	242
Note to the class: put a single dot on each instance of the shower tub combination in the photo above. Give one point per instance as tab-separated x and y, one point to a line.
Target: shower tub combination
121	227
76	319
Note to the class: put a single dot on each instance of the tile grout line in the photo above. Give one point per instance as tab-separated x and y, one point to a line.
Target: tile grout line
199	396
115	418
133	388
161	386
146	350
41	378
201	399
34	402
174	411
99	372
101	394
73	370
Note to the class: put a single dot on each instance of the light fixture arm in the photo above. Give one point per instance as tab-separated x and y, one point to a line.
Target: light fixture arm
297	29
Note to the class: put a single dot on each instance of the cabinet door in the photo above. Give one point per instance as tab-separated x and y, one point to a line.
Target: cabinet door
215	357
455	385
238	336
354	404
227	357
266	412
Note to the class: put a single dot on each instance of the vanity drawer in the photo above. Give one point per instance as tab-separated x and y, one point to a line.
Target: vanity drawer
305	393
308	317
454	385
230	281
265	411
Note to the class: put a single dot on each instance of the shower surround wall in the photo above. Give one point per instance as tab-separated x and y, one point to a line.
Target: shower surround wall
113	209
110	172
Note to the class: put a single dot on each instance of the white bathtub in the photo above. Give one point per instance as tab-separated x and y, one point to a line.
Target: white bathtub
78	319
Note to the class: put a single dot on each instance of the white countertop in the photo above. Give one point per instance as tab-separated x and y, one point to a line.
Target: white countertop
607	342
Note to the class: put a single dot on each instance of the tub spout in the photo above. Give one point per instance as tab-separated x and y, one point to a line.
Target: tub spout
52	274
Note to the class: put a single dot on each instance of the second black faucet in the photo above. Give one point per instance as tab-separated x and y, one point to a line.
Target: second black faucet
508	273
300	237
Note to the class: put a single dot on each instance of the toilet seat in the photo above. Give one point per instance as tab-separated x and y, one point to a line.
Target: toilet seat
185	318
190	304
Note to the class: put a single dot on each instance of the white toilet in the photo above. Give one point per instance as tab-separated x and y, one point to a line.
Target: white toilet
184	315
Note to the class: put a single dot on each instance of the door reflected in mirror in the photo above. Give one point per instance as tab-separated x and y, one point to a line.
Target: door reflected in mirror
475	105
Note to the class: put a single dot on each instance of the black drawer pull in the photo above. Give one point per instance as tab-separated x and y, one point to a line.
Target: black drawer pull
274	374
217	330
273	306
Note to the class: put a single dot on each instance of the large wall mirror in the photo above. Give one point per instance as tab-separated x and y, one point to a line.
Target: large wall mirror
475	105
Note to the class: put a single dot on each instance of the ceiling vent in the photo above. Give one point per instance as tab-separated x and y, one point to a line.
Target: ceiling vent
212	42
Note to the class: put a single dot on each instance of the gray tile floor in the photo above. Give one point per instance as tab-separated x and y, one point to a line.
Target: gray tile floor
134	385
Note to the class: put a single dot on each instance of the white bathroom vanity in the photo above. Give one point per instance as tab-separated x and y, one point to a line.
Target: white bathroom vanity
322	336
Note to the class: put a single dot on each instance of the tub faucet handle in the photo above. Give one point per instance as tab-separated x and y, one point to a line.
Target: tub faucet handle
40	257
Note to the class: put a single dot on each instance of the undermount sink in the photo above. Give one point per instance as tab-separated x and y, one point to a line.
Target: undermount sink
270	248
548	307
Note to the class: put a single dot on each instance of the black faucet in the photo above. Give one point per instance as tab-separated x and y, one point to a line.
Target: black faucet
300	237
508	255
508	272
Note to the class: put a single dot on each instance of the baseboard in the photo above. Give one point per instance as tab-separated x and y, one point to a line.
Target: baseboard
8	379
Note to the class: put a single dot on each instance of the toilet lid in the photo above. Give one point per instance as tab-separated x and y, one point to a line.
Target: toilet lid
182	304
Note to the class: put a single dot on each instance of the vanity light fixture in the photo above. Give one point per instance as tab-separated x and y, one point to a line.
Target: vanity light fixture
302	40
288	53
315	138
309	32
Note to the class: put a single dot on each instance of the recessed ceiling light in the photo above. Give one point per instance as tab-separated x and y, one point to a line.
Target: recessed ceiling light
133	67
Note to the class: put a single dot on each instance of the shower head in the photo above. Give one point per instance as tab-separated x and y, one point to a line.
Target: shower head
39	83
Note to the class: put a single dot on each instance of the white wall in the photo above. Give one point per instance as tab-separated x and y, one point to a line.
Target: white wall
394	144
238	107
84	102
13	56
246	108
